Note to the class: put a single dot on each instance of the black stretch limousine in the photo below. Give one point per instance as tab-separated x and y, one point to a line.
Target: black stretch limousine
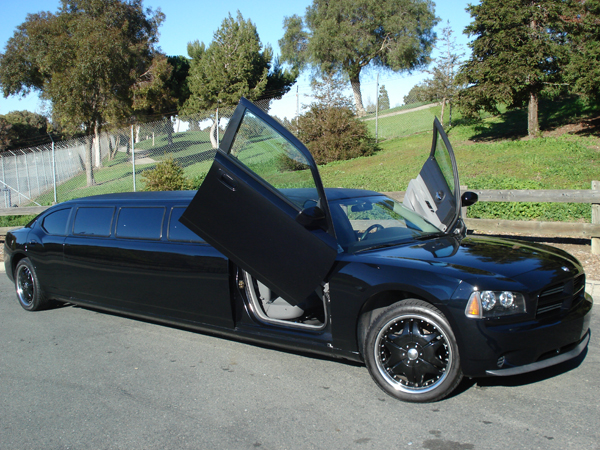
268	255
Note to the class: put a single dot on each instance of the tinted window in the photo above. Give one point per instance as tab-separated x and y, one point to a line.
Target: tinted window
271	156
93	221
56	222
177	230
140	223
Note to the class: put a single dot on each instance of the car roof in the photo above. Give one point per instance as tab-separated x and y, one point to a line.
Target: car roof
186	196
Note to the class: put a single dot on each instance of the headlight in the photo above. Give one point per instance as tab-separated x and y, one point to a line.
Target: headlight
494	304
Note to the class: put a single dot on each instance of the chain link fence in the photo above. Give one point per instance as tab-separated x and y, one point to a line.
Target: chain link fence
113	162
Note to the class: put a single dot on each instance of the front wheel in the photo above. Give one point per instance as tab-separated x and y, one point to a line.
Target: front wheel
411	352
29	292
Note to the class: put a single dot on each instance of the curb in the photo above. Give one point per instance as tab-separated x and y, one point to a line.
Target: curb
592	287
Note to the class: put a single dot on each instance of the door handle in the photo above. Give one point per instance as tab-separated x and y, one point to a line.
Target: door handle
228	181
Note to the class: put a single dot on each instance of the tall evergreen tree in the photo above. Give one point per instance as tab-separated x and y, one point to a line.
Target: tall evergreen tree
234	65
85	59
384	99
517	54
581	22
345	36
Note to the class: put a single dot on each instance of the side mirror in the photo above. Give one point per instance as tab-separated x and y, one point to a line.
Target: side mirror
312	217
468	198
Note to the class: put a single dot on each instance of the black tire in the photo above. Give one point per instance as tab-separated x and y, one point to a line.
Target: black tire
29	292
411	352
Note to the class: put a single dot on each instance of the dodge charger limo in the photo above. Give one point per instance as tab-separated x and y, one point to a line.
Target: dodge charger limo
266	254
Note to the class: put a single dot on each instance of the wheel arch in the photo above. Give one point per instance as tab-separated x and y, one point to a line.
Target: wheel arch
373	307
14	260
379	301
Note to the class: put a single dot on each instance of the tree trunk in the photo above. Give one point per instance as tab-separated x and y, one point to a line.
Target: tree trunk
213	133
360	110
97	156
89	170
443	106
533	127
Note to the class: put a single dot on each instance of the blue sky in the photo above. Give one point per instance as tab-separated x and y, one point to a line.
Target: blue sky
188	20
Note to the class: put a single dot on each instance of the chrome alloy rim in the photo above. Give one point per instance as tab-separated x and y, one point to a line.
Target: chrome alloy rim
413	354
25	285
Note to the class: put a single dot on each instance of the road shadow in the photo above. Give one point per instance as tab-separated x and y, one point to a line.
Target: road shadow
523	379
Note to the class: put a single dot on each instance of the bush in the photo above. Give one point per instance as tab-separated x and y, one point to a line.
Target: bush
334	134
166	176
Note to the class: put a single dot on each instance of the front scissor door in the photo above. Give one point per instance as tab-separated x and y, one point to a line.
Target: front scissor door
246	209
435	193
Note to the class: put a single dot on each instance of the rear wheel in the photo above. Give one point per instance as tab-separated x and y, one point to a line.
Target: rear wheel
29	292
411	352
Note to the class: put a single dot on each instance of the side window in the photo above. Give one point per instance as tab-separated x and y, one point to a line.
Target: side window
178	231
140	222
56	222
93	221
272	157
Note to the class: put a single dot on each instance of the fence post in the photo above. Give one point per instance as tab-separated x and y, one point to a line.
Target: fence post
53	169
377	110
133	157
27	174
217	130
17	173
596	220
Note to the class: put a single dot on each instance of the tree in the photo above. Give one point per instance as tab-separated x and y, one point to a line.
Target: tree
517	55
86	59
346	36
417	94
6	135
177	84
27	129
384	99
233	66
443	85
581	22
330	129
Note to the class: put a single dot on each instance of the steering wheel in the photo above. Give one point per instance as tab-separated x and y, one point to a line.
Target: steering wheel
375	226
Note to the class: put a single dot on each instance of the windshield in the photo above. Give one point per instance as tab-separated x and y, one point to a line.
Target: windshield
377	221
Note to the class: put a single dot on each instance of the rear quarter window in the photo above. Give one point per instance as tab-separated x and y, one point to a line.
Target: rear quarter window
93	221
56	222
140	222
178	231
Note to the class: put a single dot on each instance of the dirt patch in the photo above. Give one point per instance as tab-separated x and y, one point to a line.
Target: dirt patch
579	248
586	127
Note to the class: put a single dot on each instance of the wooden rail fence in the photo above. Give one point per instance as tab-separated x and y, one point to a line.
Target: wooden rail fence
497	226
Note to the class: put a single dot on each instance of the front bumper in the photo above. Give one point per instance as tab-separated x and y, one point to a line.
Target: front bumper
560	358
505	349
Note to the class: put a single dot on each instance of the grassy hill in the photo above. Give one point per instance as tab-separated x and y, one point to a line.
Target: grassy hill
492	153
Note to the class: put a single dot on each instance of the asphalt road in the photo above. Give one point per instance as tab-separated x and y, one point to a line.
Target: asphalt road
72	378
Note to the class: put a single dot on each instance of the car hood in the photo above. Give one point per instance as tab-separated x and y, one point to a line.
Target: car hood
481	256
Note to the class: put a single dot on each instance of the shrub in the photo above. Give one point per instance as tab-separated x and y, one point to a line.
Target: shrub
166	176
334	134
